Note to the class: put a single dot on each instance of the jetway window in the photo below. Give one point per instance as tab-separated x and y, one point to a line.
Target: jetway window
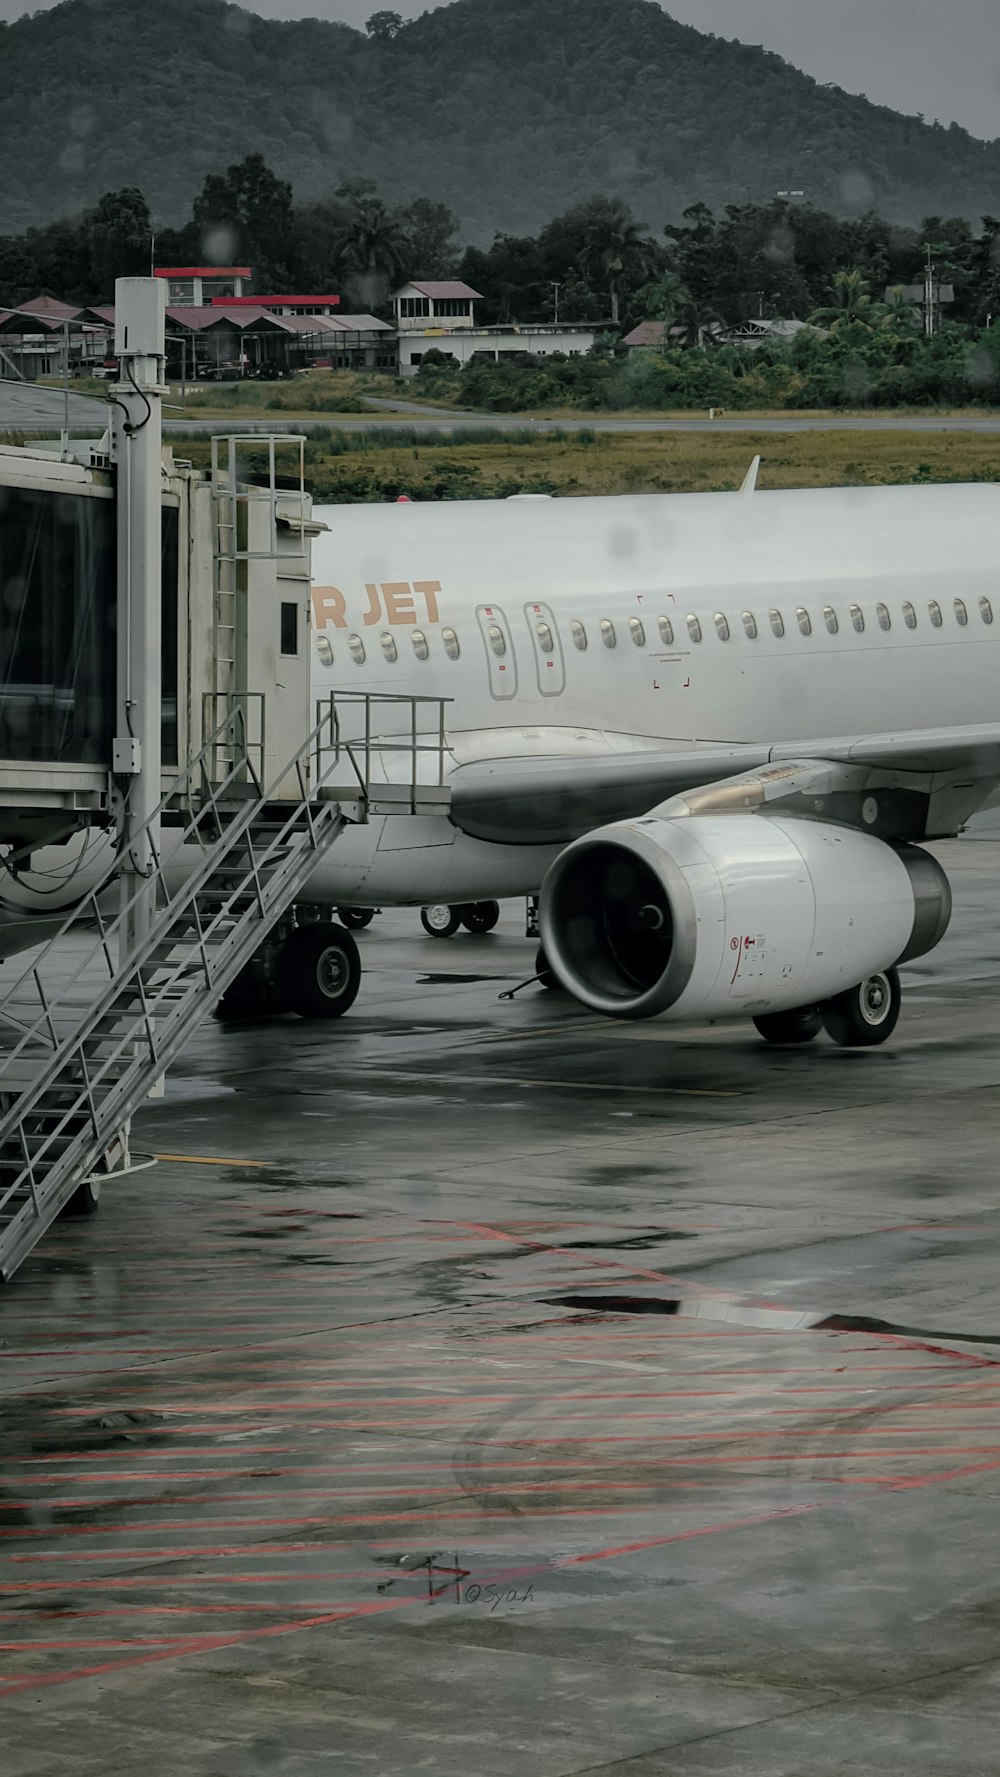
722	626
58	564
388	645
666	632
324	651
498	641
451	644
579	634
884	620
934	613
637	632
289	628
961	614
909	615
546	640
830	619
986	610
750	626
694	629
608	636
419	640
858	619
804	620
777	623
357	650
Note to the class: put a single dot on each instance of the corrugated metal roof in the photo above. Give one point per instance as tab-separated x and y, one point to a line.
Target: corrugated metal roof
442	291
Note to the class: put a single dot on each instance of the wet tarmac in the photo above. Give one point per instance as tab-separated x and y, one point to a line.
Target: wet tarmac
480	1388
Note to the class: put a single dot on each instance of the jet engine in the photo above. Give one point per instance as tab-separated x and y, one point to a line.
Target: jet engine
720	916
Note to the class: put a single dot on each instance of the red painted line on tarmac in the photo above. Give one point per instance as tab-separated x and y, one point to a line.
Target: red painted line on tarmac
204	1644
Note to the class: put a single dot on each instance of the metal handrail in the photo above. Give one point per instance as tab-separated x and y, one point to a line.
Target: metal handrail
359	752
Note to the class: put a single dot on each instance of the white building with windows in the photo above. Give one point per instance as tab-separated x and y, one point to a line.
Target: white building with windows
440	316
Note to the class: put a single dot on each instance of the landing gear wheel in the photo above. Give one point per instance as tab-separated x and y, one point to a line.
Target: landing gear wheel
440	921
244	999
85	1200
788	1028
355	918
867	1014
322	969
480	916
546	978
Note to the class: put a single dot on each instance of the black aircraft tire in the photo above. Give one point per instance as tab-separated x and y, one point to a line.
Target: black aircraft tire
865	1015
790	1028
440	921
85	1200
355	918
546	978
321	967
480	916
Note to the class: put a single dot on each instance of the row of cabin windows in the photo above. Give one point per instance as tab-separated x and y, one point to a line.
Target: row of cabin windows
637	630
883	617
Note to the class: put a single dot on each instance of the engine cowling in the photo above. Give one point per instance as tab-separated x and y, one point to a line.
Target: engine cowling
717	916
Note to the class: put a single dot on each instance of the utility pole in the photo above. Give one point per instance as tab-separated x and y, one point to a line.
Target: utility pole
929	295
137	438
555	292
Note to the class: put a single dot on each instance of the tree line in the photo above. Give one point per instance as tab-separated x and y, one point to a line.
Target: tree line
596	263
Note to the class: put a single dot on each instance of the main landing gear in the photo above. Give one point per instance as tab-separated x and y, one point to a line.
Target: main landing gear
861	1018
443	921
314	970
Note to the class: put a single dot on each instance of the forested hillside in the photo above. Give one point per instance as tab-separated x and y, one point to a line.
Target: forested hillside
505	109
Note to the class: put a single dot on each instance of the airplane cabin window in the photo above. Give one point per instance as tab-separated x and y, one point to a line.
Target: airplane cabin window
777	623
498	641
546	641
579	634
858	618
721	626
986	610
451	644
324	649
750	625
666	632
882	613
420	647
830	619
909	615
804	620
357	650
694	629
961	614
388	645
608	636
934	613
637	632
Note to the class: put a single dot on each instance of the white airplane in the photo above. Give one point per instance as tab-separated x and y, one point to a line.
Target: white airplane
716	727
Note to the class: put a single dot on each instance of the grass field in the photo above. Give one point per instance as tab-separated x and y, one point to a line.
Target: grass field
364	466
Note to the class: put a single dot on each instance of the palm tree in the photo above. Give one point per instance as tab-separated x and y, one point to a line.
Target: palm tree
616	249
852	301
372	240
899	312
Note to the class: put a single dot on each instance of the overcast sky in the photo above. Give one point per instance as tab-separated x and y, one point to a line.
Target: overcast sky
941	57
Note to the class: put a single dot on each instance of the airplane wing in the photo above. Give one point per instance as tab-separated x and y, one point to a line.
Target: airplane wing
934	778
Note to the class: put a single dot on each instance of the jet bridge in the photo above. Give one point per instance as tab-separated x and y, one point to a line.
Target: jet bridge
166	788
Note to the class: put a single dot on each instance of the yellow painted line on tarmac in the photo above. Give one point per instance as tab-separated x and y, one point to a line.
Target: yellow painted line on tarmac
209	1160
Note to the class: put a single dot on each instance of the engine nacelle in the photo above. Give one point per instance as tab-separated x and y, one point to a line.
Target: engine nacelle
720	916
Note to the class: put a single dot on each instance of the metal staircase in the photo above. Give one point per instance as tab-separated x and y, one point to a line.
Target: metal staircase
94	1038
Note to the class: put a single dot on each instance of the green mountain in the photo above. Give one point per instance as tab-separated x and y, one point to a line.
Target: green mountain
508	110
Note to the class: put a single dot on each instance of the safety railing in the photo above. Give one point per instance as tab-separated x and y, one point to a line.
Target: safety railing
345	729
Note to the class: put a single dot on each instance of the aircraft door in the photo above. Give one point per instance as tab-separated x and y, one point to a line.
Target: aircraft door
499	644
550	664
